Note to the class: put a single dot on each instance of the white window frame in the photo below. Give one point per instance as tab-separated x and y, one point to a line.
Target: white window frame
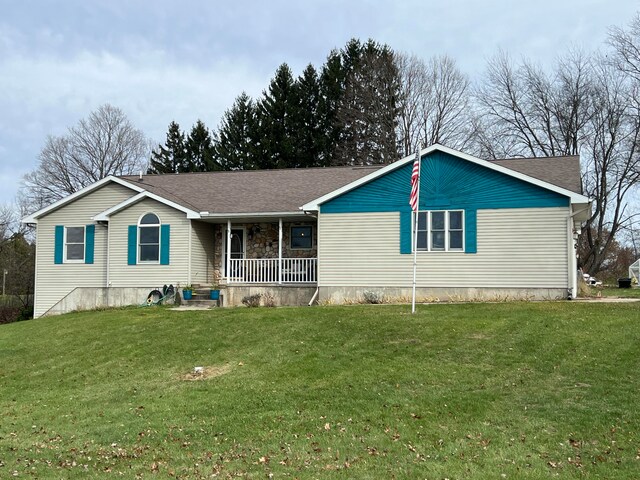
138	245
447	232
291	227
84	244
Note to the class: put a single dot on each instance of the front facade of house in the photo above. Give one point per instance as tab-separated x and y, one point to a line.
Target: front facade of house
484	230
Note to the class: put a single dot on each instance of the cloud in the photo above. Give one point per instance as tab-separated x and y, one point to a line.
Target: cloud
49	94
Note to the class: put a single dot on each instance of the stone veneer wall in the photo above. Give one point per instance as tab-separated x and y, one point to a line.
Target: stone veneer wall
264	244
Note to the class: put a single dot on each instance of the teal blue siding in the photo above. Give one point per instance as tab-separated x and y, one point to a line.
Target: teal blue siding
132	245
59	244
405	231
90	235
446	183
165	234
470	230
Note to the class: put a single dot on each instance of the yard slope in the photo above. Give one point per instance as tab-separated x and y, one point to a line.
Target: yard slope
524	390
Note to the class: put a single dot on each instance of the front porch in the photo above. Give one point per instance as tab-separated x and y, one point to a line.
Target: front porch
266	252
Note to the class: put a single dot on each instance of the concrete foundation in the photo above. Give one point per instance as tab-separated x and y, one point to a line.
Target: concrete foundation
290	295
341	295
89	298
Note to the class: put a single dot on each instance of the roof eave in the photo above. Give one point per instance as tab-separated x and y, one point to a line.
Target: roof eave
314	205
105	215
33	218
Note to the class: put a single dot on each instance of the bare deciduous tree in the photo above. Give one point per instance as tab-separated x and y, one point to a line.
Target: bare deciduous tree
585	106
534	113
434	103
105	143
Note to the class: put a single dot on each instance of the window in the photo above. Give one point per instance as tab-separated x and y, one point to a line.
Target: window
149	238
440	231
301	237
74	244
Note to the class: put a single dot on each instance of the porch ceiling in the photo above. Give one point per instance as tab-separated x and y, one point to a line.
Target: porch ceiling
256	218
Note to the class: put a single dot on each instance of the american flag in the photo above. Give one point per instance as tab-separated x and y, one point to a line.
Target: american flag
415	181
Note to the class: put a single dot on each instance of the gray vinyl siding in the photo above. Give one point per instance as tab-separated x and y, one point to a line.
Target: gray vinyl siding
54	282
517	248
202	253
143	274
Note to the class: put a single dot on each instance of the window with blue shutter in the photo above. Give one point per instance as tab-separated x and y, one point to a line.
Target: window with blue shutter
90	234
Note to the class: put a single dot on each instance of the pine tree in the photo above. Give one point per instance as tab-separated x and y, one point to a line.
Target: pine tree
276	114
332	80
308	128
235	146
200	152
170	157
367	112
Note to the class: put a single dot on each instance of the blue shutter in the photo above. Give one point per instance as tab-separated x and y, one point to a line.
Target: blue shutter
132	245
59	244
89	240
470	231
405	231
165	231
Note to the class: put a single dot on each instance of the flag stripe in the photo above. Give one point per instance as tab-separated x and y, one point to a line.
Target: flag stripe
415	181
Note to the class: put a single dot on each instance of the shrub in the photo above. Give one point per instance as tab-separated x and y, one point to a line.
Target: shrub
252	300
269	299
373	297
10	313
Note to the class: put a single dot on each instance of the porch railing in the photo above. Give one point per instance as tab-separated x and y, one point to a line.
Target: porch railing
265	270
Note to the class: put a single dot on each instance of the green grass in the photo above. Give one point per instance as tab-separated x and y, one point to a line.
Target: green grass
619	292
520	390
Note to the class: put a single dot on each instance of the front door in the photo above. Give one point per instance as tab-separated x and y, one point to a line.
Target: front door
237	248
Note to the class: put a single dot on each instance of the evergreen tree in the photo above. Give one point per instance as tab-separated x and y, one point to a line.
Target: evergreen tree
200	150
368	110
171	157
332	80
235	146
276	122
308	123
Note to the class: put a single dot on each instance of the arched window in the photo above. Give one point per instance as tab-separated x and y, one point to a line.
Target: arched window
149	238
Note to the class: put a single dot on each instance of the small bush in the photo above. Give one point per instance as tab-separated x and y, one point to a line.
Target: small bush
269	299
373	297
252	300
10	313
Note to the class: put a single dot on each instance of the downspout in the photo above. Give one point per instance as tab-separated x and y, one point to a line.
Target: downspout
189	250
280	251
315	295
228	248
108	257
573	247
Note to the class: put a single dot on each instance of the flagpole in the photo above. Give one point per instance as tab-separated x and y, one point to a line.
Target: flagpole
415	235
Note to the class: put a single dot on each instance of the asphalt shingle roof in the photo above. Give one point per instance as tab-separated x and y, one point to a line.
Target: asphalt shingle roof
249	191
285	190
560	171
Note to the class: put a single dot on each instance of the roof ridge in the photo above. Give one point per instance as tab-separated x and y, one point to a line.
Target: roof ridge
534	158
260	170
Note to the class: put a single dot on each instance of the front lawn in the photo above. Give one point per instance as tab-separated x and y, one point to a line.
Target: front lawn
514	390
633	292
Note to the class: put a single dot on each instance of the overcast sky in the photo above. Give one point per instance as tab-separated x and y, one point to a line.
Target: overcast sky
186	60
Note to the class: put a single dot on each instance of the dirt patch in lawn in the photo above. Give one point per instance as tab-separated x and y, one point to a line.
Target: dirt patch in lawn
205	373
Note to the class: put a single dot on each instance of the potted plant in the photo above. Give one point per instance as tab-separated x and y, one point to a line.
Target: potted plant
187	292
214	293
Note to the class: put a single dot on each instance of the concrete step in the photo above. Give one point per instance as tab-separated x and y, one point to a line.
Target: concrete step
201	302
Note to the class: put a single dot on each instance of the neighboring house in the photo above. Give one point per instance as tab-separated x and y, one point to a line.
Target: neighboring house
485	229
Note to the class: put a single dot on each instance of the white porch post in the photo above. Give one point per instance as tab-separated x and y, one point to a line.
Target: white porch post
280	250
227	270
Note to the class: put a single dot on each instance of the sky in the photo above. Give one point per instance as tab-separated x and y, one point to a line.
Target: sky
162	61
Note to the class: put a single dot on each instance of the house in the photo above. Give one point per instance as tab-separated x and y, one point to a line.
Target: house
485	228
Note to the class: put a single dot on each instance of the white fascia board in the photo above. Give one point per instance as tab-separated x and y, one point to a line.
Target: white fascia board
254	214
314	205
104	216
33	218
